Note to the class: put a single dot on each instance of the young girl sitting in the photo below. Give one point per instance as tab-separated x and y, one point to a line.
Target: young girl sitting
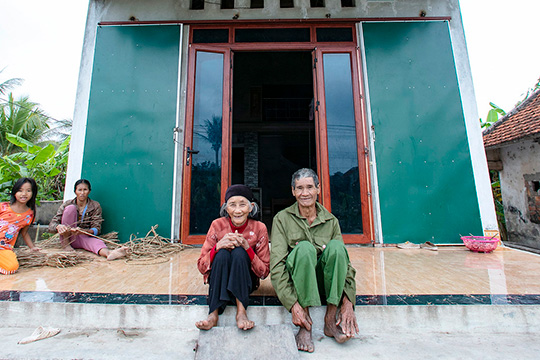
15	217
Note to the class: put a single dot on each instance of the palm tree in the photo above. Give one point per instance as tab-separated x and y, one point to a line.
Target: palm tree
213	134
8	84
22	118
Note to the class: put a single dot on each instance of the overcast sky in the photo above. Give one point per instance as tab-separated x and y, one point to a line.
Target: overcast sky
41	42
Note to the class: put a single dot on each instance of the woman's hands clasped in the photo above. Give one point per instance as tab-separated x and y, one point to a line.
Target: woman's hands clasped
232	240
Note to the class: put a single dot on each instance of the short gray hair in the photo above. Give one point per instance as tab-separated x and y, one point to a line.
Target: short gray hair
304	173
252	214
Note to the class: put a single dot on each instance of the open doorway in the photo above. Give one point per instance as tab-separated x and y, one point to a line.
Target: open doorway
273	127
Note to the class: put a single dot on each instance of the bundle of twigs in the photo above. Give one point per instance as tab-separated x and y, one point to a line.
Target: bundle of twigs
151	249
29	258
53	242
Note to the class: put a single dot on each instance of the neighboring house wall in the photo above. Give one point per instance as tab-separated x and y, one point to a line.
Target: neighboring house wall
519	186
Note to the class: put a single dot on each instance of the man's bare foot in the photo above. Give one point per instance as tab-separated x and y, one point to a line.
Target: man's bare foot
304	341
333	330
242	320
210	322
117	253
346	326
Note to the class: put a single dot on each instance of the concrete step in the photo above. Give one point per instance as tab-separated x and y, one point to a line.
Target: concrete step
101	331
376	319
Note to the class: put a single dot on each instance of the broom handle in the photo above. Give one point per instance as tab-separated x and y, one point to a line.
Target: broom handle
100	238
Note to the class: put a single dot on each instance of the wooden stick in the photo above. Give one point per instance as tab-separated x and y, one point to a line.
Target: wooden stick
37	234
100	238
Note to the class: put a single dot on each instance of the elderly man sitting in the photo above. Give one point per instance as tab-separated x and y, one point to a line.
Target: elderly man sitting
309	264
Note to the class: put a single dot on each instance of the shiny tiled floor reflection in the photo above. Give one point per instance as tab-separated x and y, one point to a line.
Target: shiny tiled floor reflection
384	276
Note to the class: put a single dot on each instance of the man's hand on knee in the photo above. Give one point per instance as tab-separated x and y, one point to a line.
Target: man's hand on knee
300	317
347	318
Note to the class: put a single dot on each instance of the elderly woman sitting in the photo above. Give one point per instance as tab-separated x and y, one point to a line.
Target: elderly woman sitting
234	256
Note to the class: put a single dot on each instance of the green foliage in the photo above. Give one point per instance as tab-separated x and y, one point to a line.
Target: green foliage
529	92
492	116
497	199
22	118
8	84
46	165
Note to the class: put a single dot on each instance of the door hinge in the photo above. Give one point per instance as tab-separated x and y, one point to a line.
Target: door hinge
315	63
366	150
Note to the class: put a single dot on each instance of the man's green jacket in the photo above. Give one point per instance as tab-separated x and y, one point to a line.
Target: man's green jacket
288	229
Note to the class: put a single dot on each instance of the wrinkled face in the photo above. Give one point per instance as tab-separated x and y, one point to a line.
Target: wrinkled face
24	194
238	208
82	191
306	192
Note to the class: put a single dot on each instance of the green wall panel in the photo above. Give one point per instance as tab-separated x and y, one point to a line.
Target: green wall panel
129	149
424	170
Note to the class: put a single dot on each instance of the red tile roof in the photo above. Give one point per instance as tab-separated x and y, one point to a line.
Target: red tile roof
522	122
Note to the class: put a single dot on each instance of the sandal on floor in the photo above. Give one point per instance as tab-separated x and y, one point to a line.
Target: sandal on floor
429	246
408	245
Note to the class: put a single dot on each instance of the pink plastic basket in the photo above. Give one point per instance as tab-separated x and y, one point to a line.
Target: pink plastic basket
480	243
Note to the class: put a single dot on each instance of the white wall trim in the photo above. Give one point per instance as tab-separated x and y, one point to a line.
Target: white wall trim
375	200
472	125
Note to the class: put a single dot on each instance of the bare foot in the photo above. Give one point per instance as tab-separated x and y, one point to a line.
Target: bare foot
242	320
333	330
68	248
210	322
303	340
346	326
117	253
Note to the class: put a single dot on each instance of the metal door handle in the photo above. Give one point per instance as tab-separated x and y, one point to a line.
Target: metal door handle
189	152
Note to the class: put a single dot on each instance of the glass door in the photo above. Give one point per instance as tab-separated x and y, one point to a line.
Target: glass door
206	142
342	143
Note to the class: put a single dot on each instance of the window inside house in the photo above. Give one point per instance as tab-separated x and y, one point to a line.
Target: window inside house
347	3
210	36
257	4
317	3
334	34
286	3
197	4
227	4
272	35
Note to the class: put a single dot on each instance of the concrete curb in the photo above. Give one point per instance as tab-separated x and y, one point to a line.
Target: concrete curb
524	319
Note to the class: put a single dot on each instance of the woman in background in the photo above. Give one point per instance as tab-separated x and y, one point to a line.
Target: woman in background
78	217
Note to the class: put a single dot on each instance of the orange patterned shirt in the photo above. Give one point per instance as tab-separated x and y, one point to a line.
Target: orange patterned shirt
11	223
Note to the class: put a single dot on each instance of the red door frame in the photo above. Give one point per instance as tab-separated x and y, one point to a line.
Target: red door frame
318	50
188	137
361	141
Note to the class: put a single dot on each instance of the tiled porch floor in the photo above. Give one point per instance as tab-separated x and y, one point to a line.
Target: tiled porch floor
384	276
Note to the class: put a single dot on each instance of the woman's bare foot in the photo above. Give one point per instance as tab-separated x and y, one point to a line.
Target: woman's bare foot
304	341
242	320
210	322
117	253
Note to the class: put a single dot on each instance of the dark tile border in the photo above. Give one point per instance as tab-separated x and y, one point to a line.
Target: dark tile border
361	300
